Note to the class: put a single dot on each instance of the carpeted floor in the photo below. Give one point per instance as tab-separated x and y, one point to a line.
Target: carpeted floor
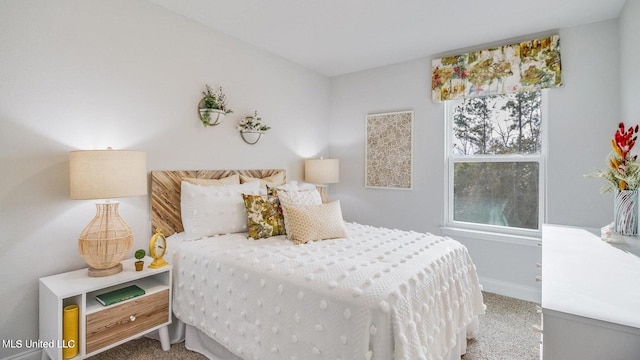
505	334
506	331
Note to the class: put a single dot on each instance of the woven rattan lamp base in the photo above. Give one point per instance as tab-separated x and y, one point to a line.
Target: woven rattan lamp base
105	272
105	241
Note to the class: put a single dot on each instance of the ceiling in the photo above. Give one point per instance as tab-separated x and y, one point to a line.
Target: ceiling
335	37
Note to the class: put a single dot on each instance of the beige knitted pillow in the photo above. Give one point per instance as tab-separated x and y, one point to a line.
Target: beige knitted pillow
304	197
315	222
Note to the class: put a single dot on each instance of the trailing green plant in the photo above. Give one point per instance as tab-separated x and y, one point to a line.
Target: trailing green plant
252	123
213	100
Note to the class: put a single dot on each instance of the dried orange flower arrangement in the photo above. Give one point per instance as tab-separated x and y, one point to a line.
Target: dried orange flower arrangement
624	171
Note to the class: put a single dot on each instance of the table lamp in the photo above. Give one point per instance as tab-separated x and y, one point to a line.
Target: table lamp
106	174
321	172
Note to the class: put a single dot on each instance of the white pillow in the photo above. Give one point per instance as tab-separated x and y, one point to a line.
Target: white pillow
214	210
304	197
296	186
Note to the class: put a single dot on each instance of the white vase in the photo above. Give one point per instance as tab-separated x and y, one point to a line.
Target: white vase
625	212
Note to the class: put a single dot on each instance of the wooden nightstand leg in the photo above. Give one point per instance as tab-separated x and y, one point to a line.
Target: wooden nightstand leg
164	338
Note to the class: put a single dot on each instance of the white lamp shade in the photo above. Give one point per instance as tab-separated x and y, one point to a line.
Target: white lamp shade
106	174
322	171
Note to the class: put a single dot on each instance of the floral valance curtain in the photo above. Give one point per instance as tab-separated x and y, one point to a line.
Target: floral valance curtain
526	66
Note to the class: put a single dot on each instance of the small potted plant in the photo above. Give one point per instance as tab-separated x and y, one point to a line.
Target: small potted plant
251	128
213	106
139	254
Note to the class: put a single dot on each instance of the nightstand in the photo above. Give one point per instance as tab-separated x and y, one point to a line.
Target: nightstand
103	327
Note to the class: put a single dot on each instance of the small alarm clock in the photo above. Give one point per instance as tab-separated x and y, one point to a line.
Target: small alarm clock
157	249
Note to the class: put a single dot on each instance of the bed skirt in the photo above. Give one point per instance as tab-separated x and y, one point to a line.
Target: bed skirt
197	341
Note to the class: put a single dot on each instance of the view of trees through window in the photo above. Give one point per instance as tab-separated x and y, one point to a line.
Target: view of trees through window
490	185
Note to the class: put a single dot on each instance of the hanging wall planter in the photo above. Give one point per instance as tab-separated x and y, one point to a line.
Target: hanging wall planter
251	137
213	107
211	117
251	128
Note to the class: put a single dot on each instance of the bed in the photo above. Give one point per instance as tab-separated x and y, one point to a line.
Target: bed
372	294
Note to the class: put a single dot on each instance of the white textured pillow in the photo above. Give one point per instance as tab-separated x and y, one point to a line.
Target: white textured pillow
305	197
214	210
315	222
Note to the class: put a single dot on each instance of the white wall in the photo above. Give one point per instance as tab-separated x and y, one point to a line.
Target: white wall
629	55
404	86
87	74
582	117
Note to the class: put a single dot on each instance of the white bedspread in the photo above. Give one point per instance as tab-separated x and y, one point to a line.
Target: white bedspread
379	294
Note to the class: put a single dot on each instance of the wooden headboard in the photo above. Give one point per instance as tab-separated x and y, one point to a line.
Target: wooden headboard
165	193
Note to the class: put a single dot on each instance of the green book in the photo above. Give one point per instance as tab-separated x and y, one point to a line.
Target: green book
123	294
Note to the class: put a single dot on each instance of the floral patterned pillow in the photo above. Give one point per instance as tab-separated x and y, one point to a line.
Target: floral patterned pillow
264	216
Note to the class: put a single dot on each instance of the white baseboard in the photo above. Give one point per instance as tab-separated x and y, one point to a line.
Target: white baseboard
518	291
34	354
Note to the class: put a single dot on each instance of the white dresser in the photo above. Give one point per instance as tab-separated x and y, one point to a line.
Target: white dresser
590	296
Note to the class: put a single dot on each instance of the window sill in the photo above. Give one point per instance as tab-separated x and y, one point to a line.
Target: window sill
491	236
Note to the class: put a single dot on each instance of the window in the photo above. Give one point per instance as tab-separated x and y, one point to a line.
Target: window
495	163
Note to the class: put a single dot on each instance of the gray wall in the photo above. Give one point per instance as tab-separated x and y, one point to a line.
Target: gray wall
582	116
127	74
404	86
629	55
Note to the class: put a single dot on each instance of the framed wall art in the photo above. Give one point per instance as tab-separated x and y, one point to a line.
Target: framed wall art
389	150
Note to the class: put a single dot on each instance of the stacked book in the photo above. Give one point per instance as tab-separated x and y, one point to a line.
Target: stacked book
119	295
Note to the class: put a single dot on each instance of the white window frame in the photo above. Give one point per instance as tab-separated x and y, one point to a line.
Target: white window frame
452	225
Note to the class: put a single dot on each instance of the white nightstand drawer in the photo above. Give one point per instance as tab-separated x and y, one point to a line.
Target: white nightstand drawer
119	322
